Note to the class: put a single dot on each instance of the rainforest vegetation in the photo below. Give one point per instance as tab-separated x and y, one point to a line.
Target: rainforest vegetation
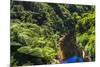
36	27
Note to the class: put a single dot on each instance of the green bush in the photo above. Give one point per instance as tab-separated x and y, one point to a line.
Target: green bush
36	28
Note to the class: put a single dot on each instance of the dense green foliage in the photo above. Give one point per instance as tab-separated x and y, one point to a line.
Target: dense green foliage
36	27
